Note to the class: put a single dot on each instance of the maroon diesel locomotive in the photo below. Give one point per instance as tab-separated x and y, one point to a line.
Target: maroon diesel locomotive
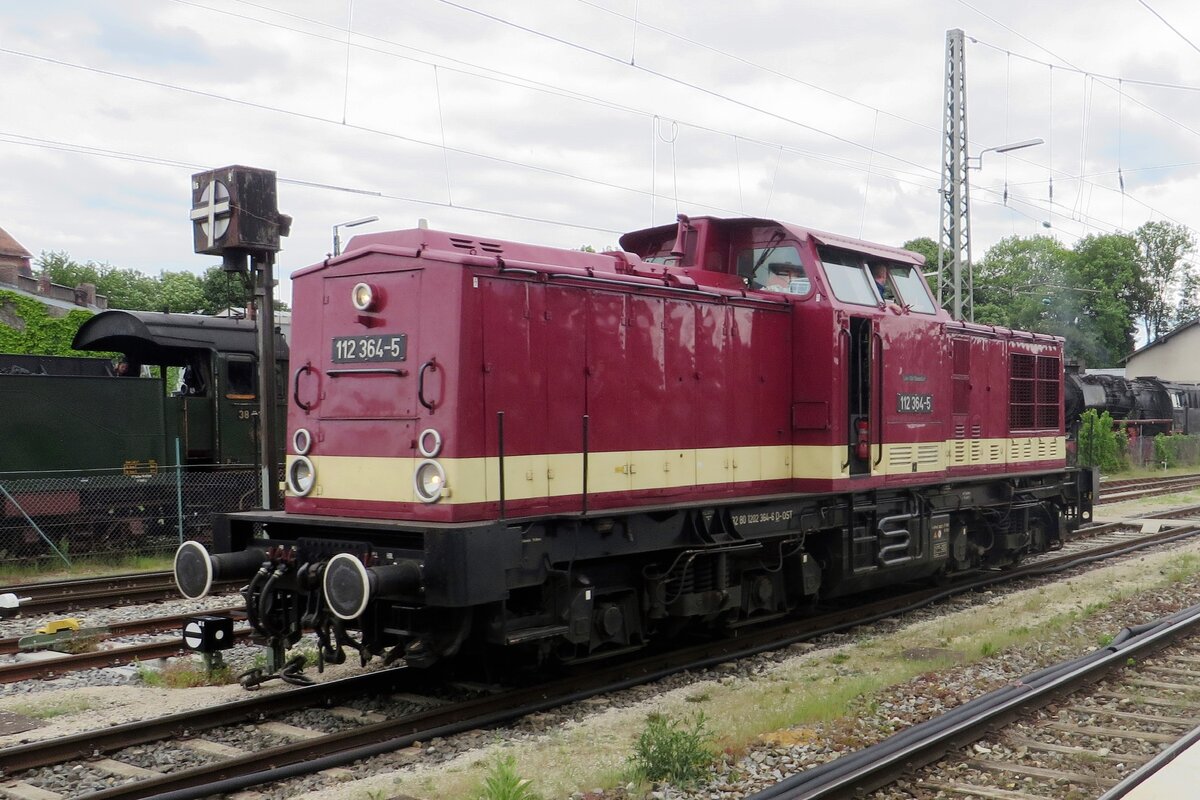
498	447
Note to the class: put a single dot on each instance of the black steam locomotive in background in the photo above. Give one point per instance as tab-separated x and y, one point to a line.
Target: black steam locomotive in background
1146	404
100	462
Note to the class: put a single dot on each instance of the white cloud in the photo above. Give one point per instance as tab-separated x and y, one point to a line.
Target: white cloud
213	82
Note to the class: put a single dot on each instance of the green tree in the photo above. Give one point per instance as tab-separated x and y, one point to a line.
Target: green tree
1189	298
926	247
62	269
128	289
1105	274
1013	284
1098	444
223	290
180	292
1163	247
1088	295
124	288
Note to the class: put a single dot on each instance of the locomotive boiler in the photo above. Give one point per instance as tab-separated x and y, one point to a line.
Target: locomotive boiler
506	449
1145	405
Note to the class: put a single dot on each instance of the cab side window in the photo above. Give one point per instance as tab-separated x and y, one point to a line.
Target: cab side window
849	279
240	377
774	269
913	290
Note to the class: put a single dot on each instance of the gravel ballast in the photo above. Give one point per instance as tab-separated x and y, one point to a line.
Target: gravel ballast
763	709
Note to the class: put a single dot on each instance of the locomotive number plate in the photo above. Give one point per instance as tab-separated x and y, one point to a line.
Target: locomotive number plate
379	347
914	403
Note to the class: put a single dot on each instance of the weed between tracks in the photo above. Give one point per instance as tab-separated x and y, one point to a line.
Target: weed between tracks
673	750
503	783
53	707
185	674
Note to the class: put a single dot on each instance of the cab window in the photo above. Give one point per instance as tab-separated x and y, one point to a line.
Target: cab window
911	288
774	269
240	377
848	278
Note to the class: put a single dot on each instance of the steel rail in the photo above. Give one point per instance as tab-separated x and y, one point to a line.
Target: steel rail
924	743
111	657
113	590
1152	766
186	724
11	645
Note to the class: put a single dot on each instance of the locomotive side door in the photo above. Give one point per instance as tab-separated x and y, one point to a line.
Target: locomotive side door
861	392
861	351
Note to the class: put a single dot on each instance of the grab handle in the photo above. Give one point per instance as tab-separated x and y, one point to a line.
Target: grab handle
296	387
430	365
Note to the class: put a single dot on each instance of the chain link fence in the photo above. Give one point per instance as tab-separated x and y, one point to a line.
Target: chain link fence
1162	452
113	514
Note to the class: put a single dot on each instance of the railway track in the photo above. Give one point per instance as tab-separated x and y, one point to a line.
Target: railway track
102	592
1133	489
1071	730
344	735
61	663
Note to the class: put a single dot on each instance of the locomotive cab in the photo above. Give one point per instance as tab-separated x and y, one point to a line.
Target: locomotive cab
213	410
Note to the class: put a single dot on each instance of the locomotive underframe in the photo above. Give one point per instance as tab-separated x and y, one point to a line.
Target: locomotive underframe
571	588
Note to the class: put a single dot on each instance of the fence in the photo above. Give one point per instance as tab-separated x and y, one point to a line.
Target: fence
1151	452
95	514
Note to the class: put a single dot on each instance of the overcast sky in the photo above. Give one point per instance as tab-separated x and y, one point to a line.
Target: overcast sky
566	122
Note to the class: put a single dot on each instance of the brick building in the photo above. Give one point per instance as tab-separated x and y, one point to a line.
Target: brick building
16	274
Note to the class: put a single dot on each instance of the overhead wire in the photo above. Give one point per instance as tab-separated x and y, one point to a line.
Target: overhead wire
1175	30
839	161
763	67
70	147
325	120
680	82
1103	79
510	79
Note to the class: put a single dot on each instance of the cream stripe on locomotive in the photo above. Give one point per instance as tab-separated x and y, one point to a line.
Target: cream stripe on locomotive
474	480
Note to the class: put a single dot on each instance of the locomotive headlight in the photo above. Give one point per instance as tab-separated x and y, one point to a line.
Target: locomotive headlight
363	296
429	443
301	476
429	481
302	441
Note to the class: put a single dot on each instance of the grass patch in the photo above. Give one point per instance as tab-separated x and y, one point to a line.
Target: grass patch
185	674
1183	567
503	783
52	707
306	649
826	698
15	573
673	750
